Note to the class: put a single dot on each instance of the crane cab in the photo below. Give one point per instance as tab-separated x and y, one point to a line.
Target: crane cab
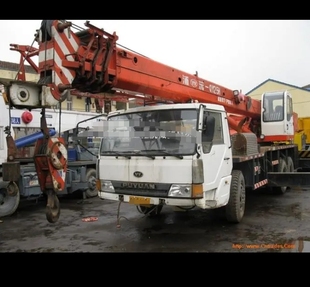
277	121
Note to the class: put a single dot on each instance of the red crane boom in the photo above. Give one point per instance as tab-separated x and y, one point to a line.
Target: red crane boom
91	62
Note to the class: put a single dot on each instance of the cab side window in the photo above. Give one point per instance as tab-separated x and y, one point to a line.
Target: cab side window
213	131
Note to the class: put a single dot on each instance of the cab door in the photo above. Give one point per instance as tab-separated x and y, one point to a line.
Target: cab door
216	151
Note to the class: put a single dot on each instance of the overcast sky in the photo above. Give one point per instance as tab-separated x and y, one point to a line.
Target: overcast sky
237	54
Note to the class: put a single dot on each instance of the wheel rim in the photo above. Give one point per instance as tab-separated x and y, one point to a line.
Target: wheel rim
92	183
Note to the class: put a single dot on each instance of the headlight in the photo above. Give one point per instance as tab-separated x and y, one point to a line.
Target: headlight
107	186
180	190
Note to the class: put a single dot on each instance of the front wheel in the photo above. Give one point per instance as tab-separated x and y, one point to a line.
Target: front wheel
282	167
235	208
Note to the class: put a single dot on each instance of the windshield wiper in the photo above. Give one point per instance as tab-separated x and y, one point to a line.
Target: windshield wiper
147	155
163	151
127	154
140	152
116	153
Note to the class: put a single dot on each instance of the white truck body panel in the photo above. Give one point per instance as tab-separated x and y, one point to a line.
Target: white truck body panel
169	170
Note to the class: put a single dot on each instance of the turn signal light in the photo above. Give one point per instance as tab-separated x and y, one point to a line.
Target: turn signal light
98	184
197	190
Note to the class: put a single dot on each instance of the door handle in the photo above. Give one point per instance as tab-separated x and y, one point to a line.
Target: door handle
226	158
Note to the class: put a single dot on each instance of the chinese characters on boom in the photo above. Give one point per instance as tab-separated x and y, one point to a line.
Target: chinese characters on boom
201	86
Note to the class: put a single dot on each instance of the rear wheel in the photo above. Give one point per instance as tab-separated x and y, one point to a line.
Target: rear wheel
236	205
282	167
290	166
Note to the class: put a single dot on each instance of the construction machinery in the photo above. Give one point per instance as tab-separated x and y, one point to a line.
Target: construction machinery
302	140
194	143
24	128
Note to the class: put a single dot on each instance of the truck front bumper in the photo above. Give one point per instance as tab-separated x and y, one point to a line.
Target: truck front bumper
139	200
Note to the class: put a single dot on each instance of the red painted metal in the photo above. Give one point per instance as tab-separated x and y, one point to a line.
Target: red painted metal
27	117
49	177
26	52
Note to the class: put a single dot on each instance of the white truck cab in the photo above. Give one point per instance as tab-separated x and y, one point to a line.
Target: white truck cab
176	154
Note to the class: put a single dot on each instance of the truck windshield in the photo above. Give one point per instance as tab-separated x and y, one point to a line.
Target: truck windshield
151	133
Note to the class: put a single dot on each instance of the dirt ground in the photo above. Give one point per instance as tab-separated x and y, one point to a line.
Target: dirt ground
272	223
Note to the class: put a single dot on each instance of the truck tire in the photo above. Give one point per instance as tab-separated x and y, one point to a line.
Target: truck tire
282	167
92	190
290	164
290	167
234	210
8	203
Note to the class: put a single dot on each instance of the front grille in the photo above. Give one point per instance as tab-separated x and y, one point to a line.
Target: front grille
142	188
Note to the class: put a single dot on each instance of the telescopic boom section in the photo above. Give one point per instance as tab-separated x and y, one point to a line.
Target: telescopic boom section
90	62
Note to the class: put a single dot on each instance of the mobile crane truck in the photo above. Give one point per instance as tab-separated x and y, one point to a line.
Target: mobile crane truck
203	148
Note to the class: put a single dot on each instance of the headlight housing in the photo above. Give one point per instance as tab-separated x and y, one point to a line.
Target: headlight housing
106	186
180	190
